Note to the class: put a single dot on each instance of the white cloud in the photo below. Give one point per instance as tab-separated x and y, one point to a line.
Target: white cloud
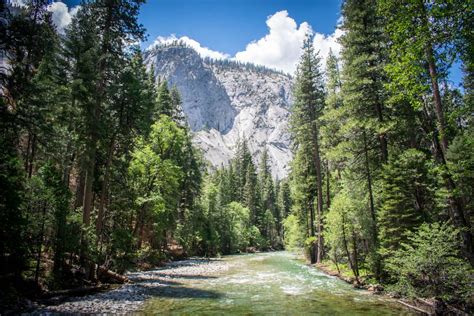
279	49
61	14
201	50
324	44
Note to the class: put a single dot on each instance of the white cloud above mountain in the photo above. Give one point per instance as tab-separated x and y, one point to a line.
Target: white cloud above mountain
280	48
201	50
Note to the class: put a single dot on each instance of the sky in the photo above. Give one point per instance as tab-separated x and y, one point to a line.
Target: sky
265	32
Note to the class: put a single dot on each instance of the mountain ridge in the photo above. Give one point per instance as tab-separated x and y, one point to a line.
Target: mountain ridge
225	100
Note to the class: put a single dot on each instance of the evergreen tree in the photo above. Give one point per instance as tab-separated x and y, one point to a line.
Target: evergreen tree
406	199
424	39
251	198
165	102
364	99
305	125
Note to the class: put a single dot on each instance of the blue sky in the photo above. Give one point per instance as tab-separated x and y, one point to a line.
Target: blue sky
229	25
267	32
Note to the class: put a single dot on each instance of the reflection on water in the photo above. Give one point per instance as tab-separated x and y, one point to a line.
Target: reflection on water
267	283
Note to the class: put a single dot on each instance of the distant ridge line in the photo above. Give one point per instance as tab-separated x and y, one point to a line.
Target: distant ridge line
228	63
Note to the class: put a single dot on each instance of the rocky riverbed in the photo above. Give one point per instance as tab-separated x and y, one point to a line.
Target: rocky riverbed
129	298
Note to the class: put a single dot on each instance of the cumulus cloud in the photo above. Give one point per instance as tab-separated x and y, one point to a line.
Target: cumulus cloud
201	50
61	14
280	48
324	44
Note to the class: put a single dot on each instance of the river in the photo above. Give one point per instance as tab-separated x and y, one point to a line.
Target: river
276	283
269	283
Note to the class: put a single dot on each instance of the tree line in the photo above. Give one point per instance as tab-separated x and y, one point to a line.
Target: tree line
244	205
98	171
97	168
381	180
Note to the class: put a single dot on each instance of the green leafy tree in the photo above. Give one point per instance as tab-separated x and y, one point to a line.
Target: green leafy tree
428	265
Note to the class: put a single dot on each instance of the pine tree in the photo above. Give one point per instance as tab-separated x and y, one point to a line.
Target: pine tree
251	194
284	198
178	113
406	199
305	124
165	102
424	36
364	99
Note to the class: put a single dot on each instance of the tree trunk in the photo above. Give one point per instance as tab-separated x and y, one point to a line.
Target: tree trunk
80	189
457	212
311	217
317	164
372	210
438	107
40	243
346	247
89	179
32	158
328	188
369	187
104	189
312	247
355	255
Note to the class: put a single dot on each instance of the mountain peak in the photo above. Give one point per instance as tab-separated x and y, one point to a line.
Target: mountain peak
226	100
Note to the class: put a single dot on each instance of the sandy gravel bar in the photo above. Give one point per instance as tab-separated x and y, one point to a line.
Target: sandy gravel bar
129	298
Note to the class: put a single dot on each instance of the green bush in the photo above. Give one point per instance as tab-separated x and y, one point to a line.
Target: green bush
429	265
294	236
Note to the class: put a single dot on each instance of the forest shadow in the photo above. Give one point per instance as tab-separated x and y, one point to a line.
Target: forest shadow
182	292
185	276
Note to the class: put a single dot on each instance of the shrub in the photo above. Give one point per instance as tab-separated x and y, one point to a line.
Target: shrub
429	265
294	236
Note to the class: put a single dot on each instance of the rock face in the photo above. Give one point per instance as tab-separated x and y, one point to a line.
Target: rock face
225	101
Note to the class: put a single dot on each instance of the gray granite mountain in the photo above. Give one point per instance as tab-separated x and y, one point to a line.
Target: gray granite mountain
225	101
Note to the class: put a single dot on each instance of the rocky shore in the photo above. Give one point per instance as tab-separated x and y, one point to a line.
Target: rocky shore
144	285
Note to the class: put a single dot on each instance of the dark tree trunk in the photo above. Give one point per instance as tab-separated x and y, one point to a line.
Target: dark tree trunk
369	187
355	256
40	243
328	188
317	165
104	189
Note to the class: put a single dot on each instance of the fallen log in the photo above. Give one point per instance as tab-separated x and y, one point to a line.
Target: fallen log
112	275
106	273
413	307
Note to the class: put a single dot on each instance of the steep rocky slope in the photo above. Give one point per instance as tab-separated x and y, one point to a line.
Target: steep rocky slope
224	101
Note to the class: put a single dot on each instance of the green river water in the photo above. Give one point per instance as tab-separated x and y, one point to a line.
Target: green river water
268	284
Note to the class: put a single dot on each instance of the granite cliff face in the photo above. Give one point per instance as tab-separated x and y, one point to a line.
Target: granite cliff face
225	101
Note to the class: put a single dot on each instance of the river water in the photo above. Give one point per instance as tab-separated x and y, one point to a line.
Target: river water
262	284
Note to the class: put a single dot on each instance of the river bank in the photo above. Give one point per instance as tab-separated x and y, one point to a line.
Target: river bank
430	306
144	285
261	283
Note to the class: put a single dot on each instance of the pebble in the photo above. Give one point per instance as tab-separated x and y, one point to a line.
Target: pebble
130	298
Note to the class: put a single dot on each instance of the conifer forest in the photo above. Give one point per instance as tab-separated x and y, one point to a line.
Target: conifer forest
102	184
